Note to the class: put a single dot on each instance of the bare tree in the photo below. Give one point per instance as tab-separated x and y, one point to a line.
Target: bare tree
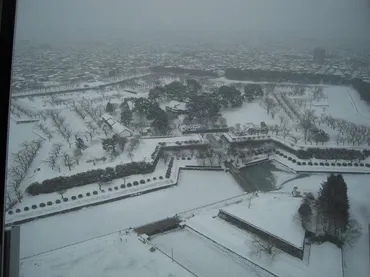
165	158
352	233
263	246
285	131
77	153
218	156
130	155
67	161
134	143
269	104
100	184
51	161
202	156
62	192
67	135
307	122
282	119
57	147
17	191
192	152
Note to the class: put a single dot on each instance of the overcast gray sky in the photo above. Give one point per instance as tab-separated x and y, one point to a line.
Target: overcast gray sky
97	19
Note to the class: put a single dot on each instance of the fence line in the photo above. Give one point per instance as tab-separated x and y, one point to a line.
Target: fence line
228	249
172	258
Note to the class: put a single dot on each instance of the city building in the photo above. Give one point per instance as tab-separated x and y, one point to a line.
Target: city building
319	55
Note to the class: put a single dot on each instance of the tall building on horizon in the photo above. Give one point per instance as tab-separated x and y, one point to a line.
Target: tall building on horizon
319	55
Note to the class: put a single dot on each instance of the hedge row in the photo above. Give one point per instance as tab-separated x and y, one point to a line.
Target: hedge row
312	152
323	163
169	169
88	194
88	177
181	142
95	175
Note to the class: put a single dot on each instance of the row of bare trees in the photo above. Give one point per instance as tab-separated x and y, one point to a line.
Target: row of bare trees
18	110
347	131
20	163
67	160
45	130
60	122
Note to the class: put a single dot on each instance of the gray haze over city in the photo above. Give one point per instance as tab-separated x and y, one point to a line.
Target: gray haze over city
343	20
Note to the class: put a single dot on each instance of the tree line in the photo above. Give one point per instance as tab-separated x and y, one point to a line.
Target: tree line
261	75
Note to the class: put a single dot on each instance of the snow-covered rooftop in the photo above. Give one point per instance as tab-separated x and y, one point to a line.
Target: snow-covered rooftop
269	212
117	127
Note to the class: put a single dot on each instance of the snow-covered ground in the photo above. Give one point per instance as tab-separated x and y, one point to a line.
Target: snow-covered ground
19	133
279	209
327	262
356	259
345	103
248	113
195	188
204	257
110	256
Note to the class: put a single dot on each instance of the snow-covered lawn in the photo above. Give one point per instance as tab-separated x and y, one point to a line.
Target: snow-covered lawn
204	257
248	113
345	103
106	256
195	188
19	133
269	212
327	262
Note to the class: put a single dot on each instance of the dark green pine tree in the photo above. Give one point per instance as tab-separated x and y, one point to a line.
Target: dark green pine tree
109	107
126	114
80	144
333	203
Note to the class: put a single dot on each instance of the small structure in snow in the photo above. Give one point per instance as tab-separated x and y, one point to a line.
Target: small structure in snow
296	192
117	127
176	107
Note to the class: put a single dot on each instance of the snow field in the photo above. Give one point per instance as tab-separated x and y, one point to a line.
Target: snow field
195	188
280	209
110	255
204	257
248	113
240	242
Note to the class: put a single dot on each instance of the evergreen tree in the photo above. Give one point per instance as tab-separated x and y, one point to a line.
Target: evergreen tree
192	87
252	92
80	144
203	107
333	204
109	145
176	91
230	95
157	93
109	107
161	122
126	114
